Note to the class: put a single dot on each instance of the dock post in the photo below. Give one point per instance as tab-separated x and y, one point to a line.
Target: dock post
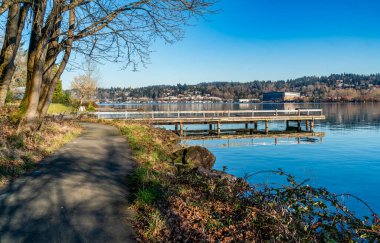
266	127
176	128
181	129
210	128
246	128
299	126
307	125
312	126
287	125
219	126
256	126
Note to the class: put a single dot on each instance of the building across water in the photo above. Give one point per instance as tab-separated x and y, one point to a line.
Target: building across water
248	100
281	96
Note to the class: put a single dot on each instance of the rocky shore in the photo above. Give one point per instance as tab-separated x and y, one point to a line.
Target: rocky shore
179	197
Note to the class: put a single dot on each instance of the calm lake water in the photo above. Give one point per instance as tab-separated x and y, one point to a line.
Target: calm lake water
346	160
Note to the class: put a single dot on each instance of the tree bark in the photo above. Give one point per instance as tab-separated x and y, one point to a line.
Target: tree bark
7	4
52	55
49	90
14	27
38	46
31	114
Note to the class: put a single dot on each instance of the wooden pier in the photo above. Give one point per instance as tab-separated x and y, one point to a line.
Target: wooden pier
251	118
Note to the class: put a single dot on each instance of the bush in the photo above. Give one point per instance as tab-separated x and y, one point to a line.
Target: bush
90	107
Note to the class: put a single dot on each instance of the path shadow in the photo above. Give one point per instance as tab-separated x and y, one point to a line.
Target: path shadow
77	195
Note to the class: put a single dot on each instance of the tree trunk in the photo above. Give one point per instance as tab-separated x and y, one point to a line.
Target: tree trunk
15	25
31	114
4	86
49	90
50	65
38	46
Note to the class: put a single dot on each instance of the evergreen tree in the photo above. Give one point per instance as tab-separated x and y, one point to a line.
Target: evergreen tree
58	96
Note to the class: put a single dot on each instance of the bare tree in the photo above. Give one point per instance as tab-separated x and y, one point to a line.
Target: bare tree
5	5
84	87
17	14
90	69
115	31
85	84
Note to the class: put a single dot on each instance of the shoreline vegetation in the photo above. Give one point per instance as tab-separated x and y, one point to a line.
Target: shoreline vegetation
22	149
177	202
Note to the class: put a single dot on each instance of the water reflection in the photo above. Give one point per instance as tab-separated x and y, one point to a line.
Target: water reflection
244	141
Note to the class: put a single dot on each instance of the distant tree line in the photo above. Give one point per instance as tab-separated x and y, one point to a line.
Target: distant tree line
336	87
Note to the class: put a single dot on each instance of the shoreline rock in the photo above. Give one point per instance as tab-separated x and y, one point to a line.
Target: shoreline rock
194	157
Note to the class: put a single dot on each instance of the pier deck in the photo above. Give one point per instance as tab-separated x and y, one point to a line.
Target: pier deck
181	118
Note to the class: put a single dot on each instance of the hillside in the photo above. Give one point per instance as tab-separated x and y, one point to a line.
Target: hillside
336	87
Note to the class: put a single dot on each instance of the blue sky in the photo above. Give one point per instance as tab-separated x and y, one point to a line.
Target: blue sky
263	40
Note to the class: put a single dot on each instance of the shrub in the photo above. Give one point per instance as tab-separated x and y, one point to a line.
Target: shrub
90	107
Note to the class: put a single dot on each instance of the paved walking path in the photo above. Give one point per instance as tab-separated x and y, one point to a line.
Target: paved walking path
77	195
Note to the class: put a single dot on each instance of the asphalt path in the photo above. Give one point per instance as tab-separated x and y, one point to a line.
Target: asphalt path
77	195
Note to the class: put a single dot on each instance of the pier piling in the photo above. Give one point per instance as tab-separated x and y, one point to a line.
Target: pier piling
181	129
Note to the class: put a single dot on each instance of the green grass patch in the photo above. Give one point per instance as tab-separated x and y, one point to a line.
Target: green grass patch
148	185
147	195
59	108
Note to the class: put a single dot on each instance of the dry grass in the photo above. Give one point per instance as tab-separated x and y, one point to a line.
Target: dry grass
21	150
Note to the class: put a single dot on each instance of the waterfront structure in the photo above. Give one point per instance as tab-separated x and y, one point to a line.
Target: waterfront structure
281	96
215	119
248	100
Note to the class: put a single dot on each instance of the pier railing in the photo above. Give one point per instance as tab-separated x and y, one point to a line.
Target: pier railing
146	115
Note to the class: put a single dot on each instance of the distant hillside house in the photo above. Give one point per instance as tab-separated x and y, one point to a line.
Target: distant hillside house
281	96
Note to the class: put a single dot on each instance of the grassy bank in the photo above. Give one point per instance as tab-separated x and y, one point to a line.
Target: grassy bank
204	206
60	108
21	150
